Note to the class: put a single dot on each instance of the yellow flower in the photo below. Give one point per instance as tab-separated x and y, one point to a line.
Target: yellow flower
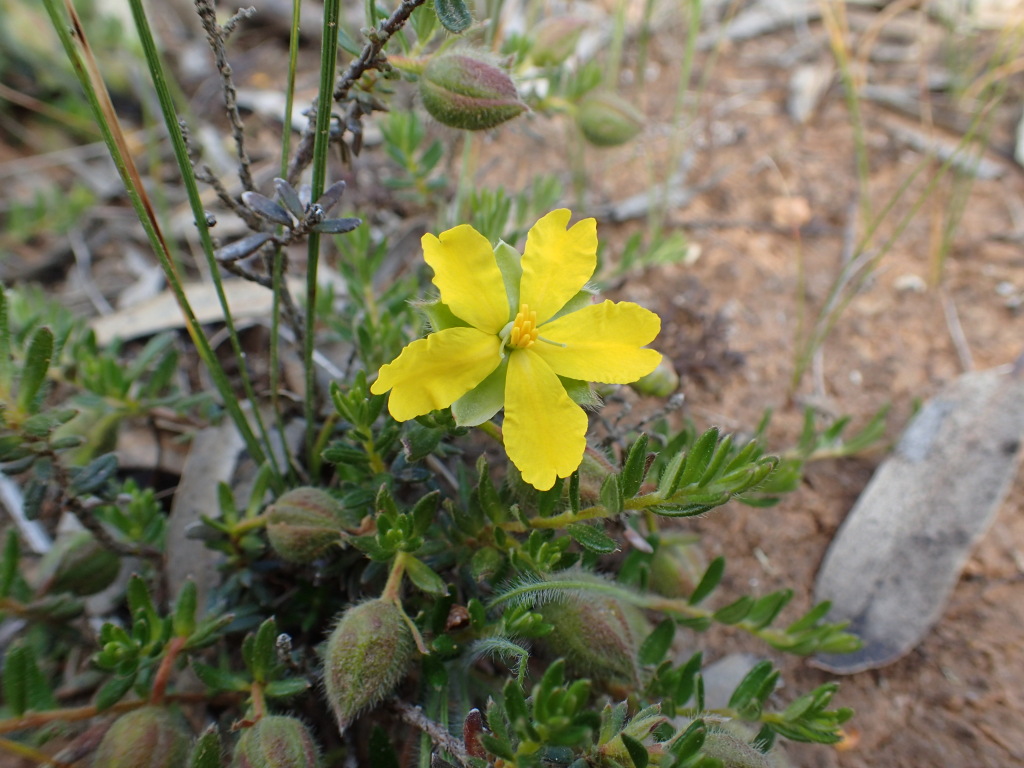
520	332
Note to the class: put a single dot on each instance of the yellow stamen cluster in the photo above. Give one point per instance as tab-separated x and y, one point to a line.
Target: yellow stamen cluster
524	328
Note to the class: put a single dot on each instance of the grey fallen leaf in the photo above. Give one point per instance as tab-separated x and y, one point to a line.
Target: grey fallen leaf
899	553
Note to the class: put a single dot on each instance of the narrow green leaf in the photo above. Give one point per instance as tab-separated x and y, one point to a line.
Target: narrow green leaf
425	512
96	474
611	495
735	612
635	468
453	15
654	648
184	621
263	657
114	690
712	576
698	458
25	687
718	458
751	686
574	492
766	608
424	577
37	363
11	557
219	679
6	362
637	751
284	689
592	538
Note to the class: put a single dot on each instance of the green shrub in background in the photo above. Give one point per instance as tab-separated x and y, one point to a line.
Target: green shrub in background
446	571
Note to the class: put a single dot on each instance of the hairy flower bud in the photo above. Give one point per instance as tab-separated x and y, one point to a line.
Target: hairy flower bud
730	743
150	737
677	566
661	382
276	741
304	523
463	90
78	564
607	120
594	634
365	658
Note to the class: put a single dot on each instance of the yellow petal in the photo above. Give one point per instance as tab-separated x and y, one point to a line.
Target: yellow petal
544	431
468	277
434	372
602	343
556	262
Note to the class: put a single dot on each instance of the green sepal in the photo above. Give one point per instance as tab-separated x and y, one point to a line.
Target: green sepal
439	315
580	392
510	263
206	751
484	400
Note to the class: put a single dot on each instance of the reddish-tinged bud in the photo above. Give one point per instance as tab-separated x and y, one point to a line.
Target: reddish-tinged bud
150	737
365	658
276	741
607	120
78	564
593	632
304	523
464	90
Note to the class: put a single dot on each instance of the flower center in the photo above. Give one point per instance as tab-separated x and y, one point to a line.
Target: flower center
524	328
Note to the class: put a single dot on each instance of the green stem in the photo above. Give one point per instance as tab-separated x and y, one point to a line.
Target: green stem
321	144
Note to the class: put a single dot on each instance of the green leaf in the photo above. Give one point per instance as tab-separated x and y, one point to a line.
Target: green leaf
424	577
25	687
424	513
611	495
592	538
635	468
717	460
114	690
94	475
735	612
453	15
767	608
37	363
11	555
712	576
286	688
219	679
262	657
755	687
206	752
6	366
698	458
654	648
184	621
637	751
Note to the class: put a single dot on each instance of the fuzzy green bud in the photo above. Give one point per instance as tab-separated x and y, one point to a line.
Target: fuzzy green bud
677	566
304	523
464	90
150	737
365	658
594	634
79	564
606	120
661	382
730	743
276	741
554	40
